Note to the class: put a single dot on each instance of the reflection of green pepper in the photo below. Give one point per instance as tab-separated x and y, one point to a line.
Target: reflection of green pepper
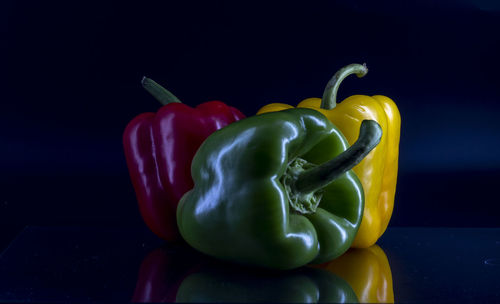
276	190
219	284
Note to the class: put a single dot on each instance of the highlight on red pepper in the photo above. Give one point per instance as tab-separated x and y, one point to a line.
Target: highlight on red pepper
159	148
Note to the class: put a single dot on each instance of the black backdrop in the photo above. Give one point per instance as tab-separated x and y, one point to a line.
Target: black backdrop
70	82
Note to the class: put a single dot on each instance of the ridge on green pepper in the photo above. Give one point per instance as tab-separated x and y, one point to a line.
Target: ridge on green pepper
276	190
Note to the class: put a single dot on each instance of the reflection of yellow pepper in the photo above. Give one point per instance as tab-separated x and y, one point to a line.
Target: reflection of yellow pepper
378	171
368	272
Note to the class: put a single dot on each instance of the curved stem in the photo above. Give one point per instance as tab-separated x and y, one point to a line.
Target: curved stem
329	101
159	92
314	179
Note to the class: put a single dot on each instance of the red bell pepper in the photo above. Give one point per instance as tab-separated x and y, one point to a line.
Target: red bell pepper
159	149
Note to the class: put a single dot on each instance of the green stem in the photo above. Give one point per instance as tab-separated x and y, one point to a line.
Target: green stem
316	178
329	100
159	92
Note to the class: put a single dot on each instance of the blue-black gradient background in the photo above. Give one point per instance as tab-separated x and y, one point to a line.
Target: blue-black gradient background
70	82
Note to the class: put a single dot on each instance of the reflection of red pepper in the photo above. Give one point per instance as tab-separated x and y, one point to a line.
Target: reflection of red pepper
160	275
159	149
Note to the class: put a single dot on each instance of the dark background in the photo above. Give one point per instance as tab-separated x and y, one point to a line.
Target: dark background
70	82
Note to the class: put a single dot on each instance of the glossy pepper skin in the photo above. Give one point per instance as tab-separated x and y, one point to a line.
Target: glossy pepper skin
276	190
159	148
378	171
367	271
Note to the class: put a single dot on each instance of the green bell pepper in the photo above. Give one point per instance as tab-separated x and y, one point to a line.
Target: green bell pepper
276	190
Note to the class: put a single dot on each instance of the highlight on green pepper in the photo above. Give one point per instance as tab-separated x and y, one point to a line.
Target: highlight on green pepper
276	190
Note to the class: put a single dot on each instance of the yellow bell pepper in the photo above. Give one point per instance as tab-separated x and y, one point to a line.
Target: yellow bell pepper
378	171
367	271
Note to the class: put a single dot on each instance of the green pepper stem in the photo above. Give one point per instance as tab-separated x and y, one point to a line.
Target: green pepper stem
158	92
329	100
316	178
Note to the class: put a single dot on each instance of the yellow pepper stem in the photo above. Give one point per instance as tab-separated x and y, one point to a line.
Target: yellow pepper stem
329	100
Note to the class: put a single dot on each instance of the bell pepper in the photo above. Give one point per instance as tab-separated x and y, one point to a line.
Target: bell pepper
378	171
276	190
368	272
159	148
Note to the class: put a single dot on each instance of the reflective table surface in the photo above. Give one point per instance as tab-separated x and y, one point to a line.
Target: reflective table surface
90	264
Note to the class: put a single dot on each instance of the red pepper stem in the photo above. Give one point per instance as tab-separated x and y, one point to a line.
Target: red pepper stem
329	100
316	178
160	93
